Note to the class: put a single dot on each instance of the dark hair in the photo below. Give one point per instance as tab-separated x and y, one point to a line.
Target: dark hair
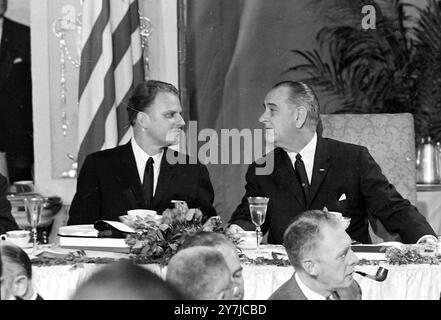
144	94
301	93
205	238
124	280
302	234
17	256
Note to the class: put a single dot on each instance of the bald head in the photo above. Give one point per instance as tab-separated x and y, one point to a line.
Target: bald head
201	273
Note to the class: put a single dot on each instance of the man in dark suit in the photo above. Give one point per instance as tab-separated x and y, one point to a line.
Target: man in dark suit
320	251
16	130
144	173
312	172
7	221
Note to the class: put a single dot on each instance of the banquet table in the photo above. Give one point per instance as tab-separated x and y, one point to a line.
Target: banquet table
405	282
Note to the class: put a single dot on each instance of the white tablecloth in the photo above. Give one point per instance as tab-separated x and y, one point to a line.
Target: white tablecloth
413	282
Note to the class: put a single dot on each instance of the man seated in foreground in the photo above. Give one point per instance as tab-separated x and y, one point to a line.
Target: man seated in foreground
313	172
200	273
319	249
125	281
144	173
17	273
229	251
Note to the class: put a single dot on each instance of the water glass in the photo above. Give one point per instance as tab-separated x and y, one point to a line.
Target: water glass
33	207
258	207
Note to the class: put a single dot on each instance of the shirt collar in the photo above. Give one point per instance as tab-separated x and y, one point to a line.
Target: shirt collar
142	156
308	151
309	294
308	154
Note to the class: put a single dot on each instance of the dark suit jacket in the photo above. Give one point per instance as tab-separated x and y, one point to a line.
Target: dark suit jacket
109	185
16	130
7	221
339	168
290	290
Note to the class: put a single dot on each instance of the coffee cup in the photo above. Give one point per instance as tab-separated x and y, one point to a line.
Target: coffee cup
18	237
141	213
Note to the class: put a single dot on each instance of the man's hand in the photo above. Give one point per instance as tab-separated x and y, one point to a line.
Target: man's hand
234	229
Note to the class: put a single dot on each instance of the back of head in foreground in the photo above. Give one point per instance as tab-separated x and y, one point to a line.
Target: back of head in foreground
229	251
200	273
125	281
17	271
320	250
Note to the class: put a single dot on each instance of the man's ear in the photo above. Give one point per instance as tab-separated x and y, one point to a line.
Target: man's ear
300	116
310	266
19	286
143	119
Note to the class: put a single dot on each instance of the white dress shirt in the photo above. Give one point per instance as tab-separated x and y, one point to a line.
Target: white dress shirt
309	294
308	154
141	158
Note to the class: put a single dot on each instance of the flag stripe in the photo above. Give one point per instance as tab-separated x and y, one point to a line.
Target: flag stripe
95	136
112	65
92	49
122	116
120	36
94	93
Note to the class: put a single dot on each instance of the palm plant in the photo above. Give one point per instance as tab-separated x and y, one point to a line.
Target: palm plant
393	68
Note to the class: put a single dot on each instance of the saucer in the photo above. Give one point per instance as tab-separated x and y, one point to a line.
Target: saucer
27	245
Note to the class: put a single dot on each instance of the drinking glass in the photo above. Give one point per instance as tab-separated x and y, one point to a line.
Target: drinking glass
33	208
258	206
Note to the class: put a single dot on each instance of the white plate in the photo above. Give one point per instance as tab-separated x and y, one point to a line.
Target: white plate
81	230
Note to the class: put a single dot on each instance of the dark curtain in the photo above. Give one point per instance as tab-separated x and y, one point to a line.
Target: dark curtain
236	51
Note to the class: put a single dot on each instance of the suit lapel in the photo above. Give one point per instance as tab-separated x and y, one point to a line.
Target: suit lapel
166	174
285	176
320	168
129	177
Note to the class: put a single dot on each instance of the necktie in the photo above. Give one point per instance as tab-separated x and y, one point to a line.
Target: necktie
147	184
302	176
333	296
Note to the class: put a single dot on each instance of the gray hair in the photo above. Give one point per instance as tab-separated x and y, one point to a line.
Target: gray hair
302	94
303	234
195	270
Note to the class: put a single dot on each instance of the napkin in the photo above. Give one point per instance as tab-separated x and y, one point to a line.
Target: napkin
112	229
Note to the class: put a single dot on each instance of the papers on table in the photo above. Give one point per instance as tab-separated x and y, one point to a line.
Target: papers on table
86	237
374	251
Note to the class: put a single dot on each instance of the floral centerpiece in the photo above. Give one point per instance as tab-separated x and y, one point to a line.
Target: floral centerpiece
157	239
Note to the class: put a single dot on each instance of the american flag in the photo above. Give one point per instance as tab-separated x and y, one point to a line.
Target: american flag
111	66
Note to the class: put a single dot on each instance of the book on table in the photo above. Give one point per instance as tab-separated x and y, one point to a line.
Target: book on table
88	237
